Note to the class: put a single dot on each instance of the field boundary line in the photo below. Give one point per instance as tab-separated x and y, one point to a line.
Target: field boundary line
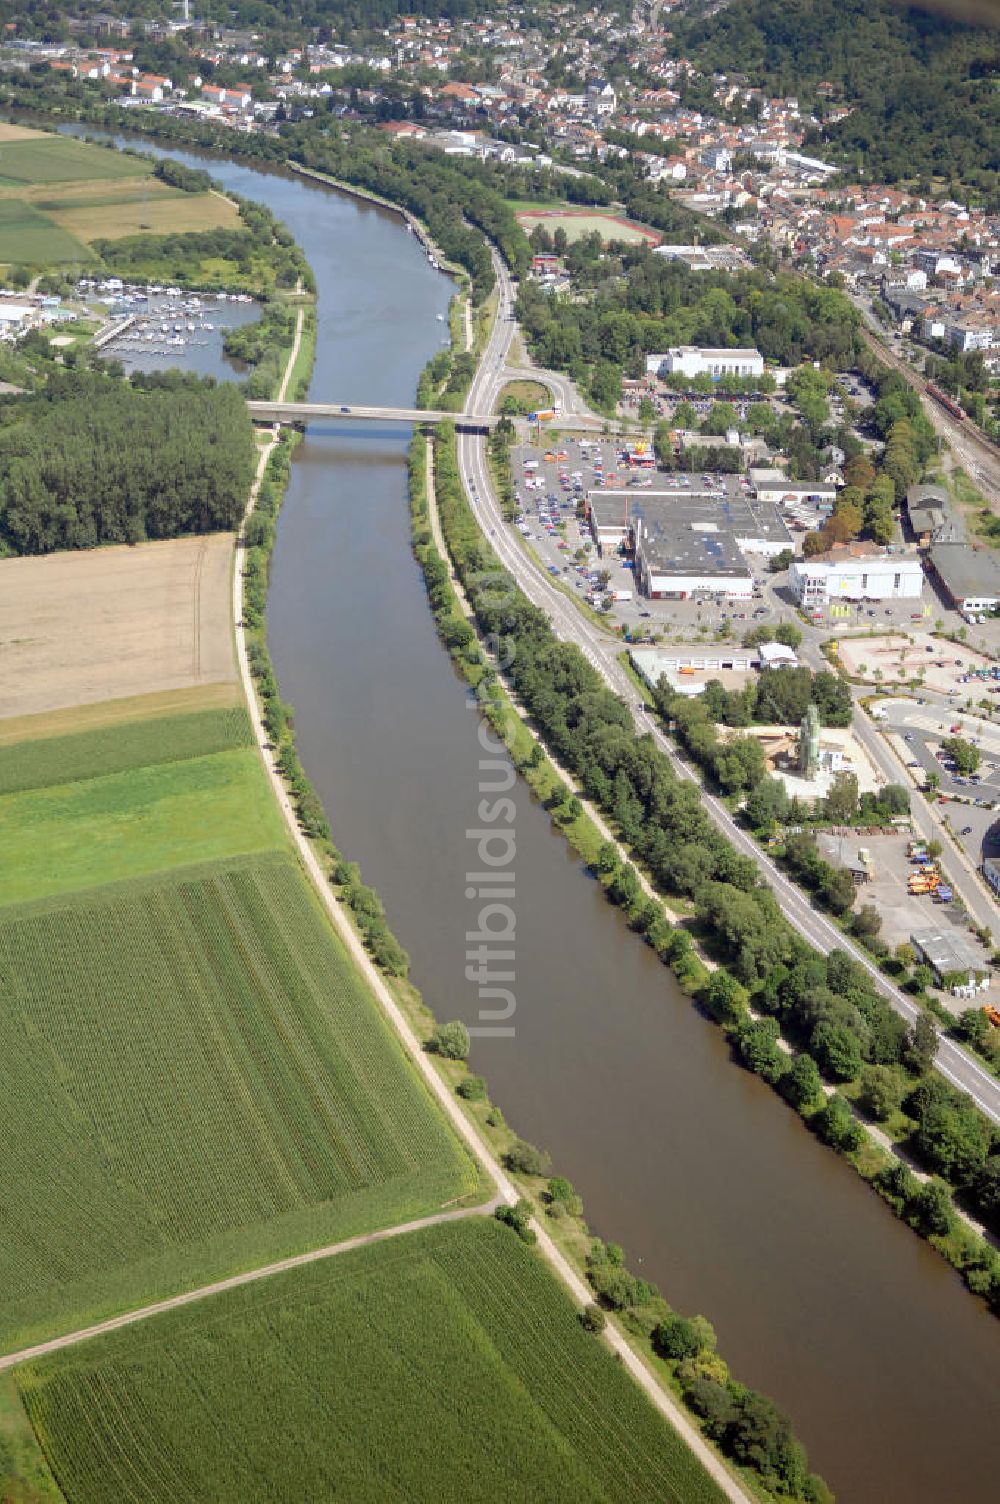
235	1282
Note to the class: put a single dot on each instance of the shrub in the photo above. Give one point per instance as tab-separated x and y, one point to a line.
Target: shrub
593	1319
472	1088
524	1159
450	1040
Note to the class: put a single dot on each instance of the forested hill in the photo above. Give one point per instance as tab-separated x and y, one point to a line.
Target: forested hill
924	90
92	459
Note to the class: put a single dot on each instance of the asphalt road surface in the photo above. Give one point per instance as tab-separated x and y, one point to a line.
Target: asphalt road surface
569	623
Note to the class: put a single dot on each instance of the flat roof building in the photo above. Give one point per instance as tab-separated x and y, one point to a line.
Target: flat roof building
774	486
856	572
688	542
949	953
969	577
692	360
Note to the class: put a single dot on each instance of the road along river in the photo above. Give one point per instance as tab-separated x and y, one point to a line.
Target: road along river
886	1365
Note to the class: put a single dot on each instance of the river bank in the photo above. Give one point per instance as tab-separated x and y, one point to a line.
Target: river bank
404	1007
711	1185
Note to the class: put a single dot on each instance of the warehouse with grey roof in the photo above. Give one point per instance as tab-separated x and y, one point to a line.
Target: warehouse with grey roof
688	543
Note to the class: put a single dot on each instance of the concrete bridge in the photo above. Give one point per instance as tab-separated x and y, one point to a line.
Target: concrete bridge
305	412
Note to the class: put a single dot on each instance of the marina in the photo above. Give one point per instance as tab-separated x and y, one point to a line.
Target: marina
153	328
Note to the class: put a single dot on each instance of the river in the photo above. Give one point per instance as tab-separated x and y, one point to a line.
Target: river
888	1368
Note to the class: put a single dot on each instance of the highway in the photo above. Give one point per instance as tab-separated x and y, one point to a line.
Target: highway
959	1068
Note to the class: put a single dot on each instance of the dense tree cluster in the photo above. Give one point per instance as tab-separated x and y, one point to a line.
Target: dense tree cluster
262	251
639	303
90	459
922	87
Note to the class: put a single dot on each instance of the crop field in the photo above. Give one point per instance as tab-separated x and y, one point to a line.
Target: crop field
578	223
166	213
445	1365
29	236
57	159
100	714
35	764
196	1081
108	623
69	836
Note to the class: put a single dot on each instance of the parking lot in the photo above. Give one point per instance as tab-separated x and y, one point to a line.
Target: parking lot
903	913
916	732
550	483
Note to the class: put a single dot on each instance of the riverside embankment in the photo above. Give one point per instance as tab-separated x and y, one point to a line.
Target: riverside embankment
717	1192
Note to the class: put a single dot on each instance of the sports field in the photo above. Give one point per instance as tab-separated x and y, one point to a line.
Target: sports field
195	1081
445	1365
108	623
577	223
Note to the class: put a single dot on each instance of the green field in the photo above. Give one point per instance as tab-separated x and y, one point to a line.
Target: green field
28	236
113	749
57	159
444	1366
147	819
196	1080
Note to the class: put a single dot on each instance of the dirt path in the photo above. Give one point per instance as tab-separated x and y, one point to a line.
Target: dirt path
505	1191
580	1291
234	1282
293	356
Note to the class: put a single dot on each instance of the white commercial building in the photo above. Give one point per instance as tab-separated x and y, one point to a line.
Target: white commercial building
868	577
689	360
774	486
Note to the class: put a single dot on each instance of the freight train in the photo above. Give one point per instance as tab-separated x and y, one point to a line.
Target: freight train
946	402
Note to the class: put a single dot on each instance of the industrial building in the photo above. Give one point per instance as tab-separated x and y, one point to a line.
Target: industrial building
774	486
969	577
691	361
687	543
855	572
950	954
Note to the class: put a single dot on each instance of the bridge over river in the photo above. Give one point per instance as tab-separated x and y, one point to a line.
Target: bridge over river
306	412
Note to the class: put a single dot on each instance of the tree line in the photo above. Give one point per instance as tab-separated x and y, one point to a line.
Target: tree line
90	459
638	303
827	1006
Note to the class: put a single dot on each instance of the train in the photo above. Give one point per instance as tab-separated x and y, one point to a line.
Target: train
948	403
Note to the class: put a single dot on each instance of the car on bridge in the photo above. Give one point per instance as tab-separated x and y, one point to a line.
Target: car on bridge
345	409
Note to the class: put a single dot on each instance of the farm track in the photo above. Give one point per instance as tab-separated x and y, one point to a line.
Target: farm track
464	1129
235	1282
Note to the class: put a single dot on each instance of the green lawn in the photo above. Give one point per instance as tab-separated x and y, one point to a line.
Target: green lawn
58	159
446	1366
37	763
195	1081
25	1477
129	824
28	236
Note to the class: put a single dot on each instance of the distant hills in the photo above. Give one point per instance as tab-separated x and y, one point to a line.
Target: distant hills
924	89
